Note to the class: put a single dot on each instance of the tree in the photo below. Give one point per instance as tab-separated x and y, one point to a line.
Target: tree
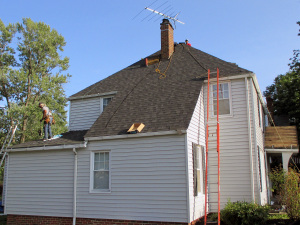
285	91
295	64
32	72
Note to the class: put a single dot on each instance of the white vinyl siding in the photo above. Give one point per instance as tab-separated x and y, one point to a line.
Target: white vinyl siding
40	183
148	180
195	134
234	150
83	113
258	148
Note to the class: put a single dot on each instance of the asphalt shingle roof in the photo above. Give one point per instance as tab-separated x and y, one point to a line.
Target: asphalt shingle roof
161	104
68	138
142	97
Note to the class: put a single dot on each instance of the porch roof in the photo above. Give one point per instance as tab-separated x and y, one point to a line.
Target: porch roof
281	137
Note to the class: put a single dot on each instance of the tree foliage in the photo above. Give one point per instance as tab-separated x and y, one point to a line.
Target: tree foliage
32	71
285	91
287	187
295	64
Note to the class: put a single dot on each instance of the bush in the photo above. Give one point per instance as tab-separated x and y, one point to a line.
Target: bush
277	176
244	213
286	186
291	197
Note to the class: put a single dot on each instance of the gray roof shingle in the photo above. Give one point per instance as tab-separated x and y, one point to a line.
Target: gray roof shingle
161	104
68	138
142	97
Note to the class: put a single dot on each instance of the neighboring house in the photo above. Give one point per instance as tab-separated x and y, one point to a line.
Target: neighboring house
97	173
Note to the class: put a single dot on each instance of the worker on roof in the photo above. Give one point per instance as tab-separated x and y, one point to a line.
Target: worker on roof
48	119
187	42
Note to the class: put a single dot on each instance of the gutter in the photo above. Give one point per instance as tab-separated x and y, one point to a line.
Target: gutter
126	136
48	148
75	187
250	141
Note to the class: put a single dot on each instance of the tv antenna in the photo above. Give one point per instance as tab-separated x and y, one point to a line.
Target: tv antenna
166	16
159	12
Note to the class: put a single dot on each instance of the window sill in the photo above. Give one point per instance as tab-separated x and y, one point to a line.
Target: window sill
223	116
95	191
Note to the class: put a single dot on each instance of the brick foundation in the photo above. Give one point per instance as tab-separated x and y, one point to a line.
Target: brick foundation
45	220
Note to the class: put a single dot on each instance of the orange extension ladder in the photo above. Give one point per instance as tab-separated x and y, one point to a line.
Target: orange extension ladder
218	151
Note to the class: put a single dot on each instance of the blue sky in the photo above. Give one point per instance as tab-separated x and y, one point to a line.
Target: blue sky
102	36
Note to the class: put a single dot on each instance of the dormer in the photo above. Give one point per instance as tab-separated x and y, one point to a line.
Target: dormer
85	110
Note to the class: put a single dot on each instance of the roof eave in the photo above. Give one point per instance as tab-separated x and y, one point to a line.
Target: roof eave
48	148
138	135
92	96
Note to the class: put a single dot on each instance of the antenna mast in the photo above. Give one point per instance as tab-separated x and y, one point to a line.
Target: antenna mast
165	16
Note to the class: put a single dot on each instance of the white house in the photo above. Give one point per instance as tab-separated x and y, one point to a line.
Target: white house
97	173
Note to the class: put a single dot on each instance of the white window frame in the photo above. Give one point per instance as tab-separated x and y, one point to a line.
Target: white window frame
201	167
101	102
92	157
229	98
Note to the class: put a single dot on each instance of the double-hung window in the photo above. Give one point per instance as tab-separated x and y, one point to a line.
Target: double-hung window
224	99
199	169
100	171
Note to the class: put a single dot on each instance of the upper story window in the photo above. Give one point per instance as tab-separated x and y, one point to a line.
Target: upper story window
224	99
104	102
100	171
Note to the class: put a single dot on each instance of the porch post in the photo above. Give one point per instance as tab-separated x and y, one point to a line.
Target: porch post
285	159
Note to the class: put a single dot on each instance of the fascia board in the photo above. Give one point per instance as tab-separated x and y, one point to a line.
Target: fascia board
280	150
47	148
92	96
139	135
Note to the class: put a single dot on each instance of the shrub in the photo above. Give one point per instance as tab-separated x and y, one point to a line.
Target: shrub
278	216
244	213
286	186
291	197
277	176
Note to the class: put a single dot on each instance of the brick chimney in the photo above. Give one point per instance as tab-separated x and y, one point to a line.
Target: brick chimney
167	39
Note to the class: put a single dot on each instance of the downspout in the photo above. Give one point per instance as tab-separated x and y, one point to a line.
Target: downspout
255	141
250	141
75	188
